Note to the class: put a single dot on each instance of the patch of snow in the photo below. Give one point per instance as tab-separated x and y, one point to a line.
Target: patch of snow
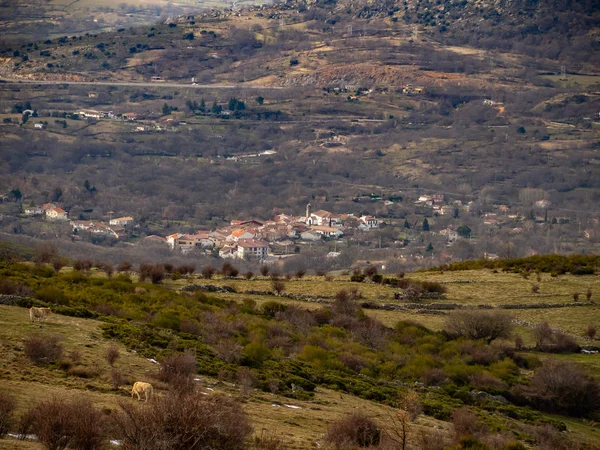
152	360
276	406
31	437
292	406
209	389
116	442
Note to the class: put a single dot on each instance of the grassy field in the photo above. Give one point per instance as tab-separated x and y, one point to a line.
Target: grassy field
300	426
469	288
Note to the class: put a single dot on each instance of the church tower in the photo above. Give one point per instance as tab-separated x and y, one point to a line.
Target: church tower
307	212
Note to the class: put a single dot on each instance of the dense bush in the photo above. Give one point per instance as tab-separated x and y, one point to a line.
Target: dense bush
354	430
488	325
43	349
7	409
177	367
561	387
184	421
60	424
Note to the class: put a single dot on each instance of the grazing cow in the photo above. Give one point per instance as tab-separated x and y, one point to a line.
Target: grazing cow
38	313
139	387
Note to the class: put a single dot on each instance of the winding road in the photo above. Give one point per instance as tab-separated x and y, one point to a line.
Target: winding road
145	84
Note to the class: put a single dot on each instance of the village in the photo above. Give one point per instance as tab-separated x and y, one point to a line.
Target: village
285	234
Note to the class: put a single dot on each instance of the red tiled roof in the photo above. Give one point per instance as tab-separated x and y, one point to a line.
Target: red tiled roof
249	243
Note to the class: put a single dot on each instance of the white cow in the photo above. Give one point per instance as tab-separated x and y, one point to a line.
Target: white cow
139	387
38	313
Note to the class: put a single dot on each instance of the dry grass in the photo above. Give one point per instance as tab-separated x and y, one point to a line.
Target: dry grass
298	427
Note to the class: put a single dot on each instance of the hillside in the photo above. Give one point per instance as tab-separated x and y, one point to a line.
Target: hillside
349	345
347	103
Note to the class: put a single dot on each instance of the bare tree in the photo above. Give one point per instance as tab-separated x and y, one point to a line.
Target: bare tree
488	325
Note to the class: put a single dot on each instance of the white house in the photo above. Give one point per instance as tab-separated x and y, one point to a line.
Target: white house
327	231
189	242
309	236
172	240
56	214
451	235
121	221
252	248
39	126
369	222
324	218
238	234
33	211
229	251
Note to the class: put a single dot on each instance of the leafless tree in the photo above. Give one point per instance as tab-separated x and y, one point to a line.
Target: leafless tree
488	325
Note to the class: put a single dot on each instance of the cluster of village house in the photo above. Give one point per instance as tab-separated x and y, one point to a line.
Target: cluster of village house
252	239
165	123
114	227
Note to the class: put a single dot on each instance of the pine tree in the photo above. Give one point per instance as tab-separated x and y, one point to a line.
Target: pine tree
406	224
425	225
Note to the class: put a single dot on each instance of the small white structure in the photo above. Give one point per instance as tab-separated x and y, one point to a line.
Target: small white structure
121	221
369	222
56	214
39	126
331	232
33	211
252	248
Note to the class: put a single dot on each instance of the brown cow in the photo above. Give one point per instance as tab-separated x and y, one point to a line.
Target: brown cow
38	313
139	387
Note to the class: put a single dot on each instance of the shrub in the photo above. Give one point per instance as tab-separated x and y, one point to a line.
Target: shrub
590	331
488	325
82	265
43	349
112	354
248	275
357	276
278	286
7	408
588	294
434	377
124	266
466	423
355	429
177	367
576	296
246	379
549	340
8	287
270	309
300	273
370	271
264	270
51	294
562	387
535	288
433	287
59	424
208	272
228	270
116	377
184	421
25	424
